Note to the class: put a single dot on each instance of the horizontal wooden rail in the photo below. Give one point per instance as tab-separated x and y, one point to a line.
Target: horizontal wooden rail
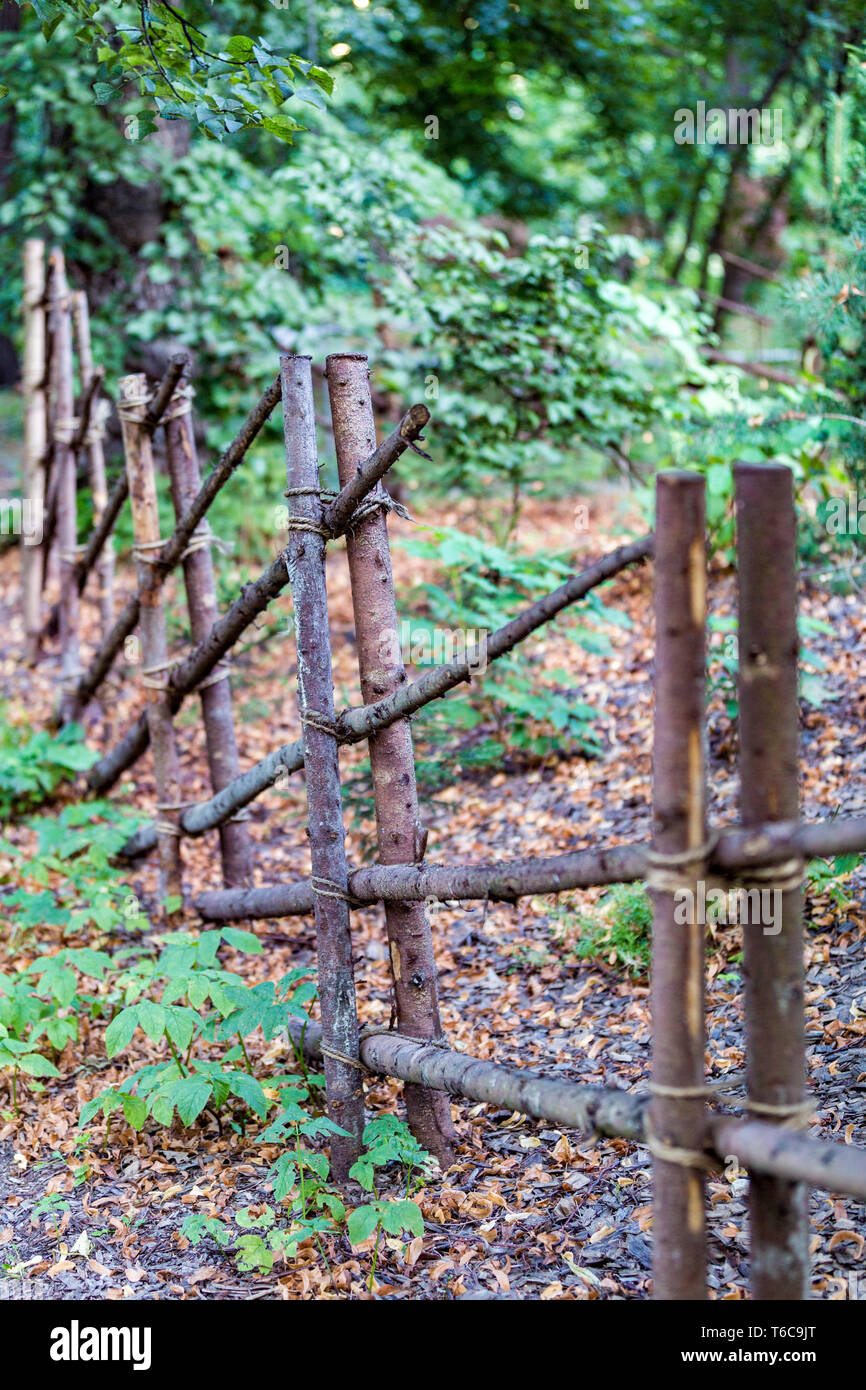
354	725
758	1146
737	849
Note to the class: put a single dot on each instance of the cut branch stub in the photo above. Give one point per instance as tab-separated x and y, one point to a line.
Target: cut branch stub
132	401
306	567
400	839
772	949
679	842
216	698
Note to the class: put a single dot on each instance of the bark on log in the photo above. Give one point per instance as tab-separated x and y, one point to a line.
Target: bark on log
96	455
177	543
306	566
67	526
679	830
395	794
507	880
602	1110
355	725
253	600
773	961
35	439
216	698
154	644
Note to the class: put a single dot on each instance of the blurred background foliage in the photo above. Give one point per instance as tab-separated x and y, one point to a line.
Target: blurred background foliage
487	197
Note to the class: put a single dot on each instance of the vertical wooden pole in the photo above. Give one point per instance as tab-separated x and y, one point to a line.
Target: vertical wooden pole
773	960
96	456
400	837
678	1107
132	403
66	488
198	573
35	439
306	566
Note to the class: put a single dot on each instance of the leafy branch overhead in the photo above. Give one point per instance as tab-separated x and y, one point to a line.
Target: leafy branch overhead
220	85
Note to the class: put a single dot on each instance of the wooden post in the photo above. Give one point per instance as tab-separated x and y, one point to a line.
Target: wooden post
400	837
306	568
678	1108
35	440
772	953
132	403
64	429
96	455
216	698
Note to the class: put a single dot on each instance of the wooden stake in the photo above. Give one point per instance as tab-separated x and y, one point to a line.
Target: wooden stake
132	403
678	1110
216	697
400	837
773	959
66	488
35	440
306	567
96	455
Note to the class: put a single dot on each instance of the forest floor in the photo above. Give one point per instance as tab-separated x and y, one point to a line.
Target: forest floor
527	1211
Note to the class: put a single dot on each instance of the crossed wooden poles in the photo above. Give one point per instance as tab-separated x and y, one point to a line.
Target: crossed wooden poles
679	1116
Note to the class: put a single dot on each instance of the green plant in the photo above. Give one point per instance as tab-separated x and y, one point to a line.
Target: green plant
387	1140
199	1005
481	587
619	929
32	766
829	875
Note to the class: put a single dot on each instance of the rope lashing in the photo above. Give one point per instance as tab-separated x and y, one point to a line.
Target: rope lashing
669	873
130	406
323	722
784	877
148	551
65	429
220	672
202	537
683	1158
70	557
165	827
791	1116
327	888
156	677
179	405
364	509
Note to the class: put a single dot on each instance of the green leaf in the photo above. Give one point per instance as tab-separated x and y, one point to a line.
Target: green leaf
152	1018
245	941
400	1216
363	1222
190	1095
120	1030
248	1089
135	1111
37	1065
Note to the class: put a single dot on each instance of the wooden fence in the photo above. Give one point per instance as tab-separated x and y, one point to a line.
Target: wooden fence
688	1126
